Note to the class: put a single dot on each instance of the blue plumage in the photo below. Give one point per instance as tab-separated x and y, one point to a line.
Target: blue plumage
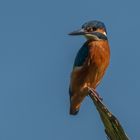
81	55
100	35
95	23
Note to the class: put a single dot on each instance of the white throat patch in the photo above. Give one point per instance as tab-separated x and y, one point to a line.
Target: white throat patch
90	36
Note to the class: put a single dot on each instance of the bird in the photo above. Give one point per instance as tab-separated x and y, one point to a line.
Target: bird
90	64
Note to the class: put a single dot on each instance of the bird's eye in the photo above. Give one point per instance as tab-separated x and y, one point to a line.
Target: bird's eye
89	29
93	28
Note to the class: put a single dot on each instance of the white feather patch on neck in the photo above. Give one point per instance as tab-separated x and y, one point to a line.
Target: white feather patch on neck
104	33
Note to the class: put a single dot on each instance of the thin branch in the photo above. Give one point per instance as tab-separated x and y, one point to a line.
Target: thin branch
113	128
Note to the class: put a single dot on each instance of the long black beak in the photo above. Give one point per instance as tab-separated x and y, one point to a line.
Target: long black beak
78	32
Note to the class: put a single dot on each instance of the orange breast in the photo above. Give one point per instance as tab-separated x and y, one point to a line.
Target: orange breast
91	73
99	60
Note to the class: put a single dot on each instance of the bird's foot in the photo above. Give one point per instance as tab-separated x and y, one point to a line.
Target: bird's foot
96	93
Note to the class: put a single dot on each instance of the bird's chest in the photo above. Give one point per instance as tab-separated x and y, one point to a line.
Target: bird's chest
99	56
93	68
97	63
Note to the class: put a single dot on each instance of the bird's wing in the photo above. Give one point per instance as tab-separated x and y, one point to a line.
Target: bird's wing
81	56
80	59
79	62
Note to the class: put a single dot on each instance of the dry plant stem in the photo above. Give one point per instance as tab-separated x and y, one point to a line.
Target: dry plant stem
113	128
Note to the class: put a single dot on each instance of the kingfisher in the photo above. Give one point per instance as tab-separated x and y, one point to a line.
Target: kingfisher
90	63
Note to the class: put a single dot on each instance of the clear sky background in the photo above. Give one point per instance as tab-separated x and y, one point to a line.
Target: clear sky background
36	58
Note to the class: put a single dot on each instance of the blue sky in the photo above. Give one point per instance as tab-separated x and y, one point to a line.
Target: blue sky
36	58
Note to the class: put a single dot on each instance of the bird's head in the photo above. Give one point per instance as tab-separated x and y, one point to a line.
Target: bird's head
95	30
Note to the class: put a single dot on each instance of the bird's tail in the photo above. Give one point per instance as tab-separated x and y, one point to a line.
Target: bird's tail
75	103
74	109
